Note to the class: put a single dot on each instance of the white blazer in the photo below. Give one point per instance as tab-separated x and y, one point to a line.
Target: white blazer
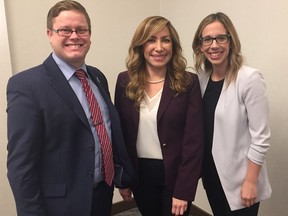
241	132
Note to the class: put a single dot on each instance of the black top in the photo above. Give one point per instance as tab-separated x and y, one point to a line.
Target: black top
210	99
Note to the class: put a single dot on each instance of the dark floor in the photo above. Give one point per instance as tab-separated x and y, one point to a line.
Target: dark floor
123	208
130	212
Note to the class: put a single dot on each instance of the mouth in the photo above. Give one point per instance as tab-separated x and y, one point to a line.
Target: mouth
74	45
159	57
215	54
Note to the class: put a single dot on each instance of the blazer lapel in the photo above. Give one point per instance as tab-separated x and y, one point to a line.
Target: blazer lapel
58	81
98	82
167	96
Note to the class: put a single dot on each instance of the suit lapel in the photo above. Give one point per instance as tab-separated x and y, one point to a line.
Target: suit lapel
135	114
100	83
166	98
60	84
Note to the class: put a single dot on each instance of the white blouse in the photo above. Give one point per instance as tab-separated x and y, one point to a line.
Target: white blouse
148	144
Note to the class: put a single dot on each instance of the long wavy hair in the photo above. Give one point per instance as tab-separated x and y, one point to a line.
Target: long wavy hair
136	63
235	58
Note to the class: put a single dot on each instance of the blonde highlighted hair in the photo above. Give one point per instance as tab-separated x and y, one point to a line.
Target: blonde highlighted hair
136	63
235	58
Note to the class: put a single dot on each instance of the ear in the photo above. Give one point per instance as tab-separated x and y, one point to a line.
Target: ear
49	33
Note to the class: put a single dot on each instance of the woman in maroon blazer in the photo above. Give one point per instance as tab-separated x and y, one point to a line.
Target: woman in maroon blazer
159	104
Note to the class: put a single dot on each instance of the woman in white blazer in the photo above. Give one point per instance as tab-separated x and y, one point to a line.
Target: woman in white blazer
236	117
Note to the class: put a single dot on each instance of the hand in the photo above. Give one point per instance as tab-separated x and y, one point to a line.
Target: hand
178	206
248	193
126	194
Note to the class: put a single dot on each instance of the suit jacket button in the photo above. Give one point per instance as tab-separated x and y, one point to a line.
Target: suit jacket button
90	174
164	144
91	147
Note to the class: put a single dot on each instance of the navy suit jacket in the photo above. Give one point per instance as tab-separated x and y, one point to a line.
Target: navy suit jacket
180	132
50	143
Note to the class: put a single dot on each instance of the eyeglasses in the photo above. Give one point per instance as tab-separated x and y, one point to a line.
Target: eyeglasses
68	32
220	39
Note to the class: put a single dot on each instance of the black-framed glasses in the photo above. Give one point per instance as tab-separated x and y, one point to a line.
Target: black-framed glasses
220	39
68	32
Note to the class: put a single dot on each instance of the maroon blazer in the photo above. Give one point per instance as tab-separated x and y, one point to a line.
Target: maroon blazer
180	132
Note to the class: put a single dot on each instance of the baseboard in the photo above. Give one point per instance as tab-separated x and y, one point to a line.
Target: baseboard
196	211
124	206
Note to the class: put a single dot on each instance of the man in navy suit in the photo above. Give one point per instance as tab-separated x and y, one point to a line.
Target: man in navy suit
54	152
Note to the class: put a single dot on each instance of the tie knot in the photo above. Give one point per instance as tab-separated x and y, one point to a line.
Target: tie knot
80	74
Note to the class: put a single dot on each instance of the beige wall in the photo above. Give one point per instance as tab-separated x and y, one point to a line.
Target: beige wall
262	27
6	200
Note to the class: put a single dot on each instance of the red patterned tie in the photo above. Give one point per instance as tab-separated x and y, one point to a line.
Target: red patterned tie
107	155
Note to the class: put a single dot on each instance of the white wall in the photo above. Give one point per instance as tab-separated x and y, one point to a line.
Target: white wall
262	27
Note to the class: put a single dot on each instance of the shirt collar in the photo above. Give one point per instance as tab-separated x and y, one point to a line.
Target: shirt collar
66	69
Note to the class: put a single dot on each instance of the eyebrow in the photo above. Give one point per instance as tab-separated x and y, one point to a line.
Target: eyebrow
214	35
161	37
69	27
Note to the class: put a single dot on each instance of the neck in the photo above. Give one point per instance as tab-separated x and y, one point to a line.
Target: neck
155	81
155	72
217	77
153	76
218	73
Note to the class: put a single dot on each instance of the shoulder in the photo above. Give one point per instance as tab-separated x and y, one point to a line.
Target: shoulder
250	80
29	72
94	71
194	79
37	72
193	76
249	75
27	77
203	77
123	75
123	78
247	71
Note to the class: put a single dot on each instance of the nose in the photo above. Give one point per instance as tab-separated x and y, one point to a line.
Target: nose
74	35
158	46
214	43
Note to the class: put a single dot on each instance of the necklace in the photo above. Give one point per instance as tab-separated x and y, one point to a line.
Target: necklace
156	81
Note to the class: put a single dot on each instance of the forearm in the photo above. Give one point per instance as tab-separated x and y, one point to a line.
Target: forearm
249	191
253	171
